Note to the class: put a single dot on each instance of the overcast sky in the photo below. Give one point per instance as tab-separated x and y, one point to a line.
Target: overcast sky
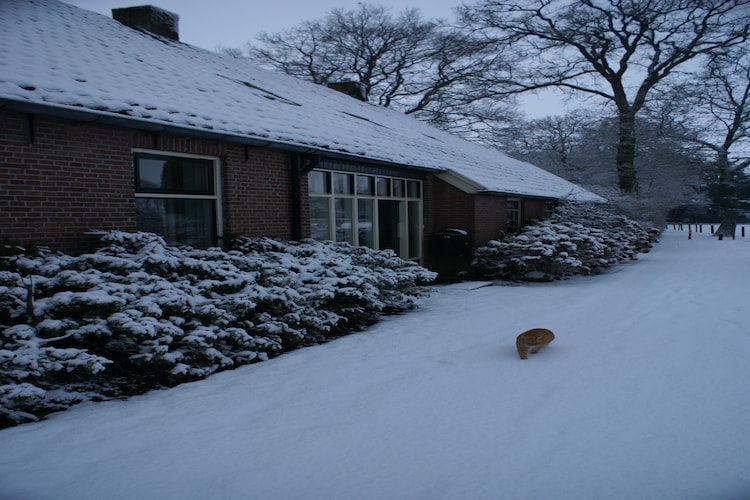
233	23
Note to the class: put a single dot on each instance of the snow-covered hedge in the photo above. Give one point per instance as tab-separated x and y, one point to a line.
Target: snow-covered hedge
577	239
139	313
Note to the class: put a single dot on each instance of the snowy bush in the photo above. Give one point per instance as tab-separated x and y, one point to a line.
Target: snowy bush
139	313
577	239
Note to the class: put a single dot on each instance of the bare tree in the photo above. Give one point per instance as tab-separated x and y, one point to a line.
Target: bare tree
580	146
713	111
368	44
552	142
618	50
419	67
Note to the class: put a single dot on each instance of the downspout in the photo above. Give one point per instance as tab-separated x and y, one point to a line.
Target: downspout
301	164
32	128
296	165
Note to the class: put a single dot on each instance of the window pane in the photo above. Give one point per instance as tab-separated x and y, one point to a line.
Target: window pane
365	222
383	187
318	182
514	212
320	225
415	230
399	190
179	221
174	175
342	183
365	185
344	222
414	189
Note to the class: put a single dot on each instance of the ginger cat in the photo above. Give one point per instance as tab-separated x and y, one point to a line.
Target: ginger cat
533	340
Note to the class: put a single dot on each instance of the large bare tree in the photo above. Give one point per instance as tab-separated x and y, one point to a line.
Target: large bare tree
618	50
369	44
417	66
580	146
713	111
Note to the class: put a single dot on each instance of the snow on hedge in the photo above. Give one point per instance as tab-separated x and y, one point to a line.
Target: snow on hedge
577	239
139	313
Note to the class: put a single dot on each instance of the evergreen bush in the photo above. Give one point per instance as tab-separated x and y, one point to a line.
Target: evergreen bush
577	239
139	313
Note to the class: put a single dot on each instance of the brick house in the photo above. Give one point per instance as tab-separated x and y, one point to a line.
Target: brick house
115	124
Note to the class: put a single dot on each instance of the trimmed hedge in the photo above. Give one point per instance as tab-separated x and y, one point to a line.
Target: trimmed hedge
577	239
139	314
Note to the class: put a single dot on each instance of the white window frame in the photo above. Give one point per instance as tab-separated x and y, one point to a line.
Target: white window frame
519	217
216	197
403	207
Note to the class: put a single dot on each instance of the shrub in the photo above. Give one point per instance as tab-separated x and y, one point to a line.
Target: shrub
139	313
577	239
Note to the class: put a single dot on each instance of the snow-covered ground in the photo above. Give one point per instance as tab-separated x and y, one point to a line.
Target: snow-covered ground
643	394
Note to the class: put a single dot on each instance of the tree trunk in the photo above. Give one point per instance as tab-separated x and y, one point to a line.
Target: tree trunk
625	159
728	202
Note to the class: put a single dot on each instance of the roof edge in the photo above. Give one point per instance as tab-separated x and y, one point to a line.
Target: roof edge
87	115
461	182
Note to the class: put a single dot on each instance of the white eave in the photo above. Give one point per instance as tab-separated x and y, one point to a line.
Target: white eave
460	182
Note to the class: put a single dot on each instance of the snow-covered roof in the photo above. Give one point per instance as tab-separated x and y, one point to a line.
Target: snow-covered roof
60	58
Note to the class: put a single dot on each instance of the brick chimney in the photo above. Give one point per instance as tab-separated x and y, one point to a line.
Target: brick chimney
351	88
149	18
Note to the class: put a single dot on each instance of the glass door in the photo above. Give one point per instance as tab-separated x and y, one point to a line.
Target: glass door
389	225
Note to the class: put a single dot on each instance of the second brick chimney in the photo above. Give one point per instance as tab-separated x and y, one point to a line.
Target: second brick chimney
149	18
350	88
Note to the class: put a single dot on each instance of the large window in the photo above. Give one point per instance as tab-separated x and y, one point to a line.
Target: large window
177	197
377	211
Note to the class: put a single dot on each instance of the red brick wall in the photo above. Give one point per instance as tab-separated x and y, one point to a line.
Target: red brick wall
446	207
257	193
60	179
483	215
534	209
72	178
